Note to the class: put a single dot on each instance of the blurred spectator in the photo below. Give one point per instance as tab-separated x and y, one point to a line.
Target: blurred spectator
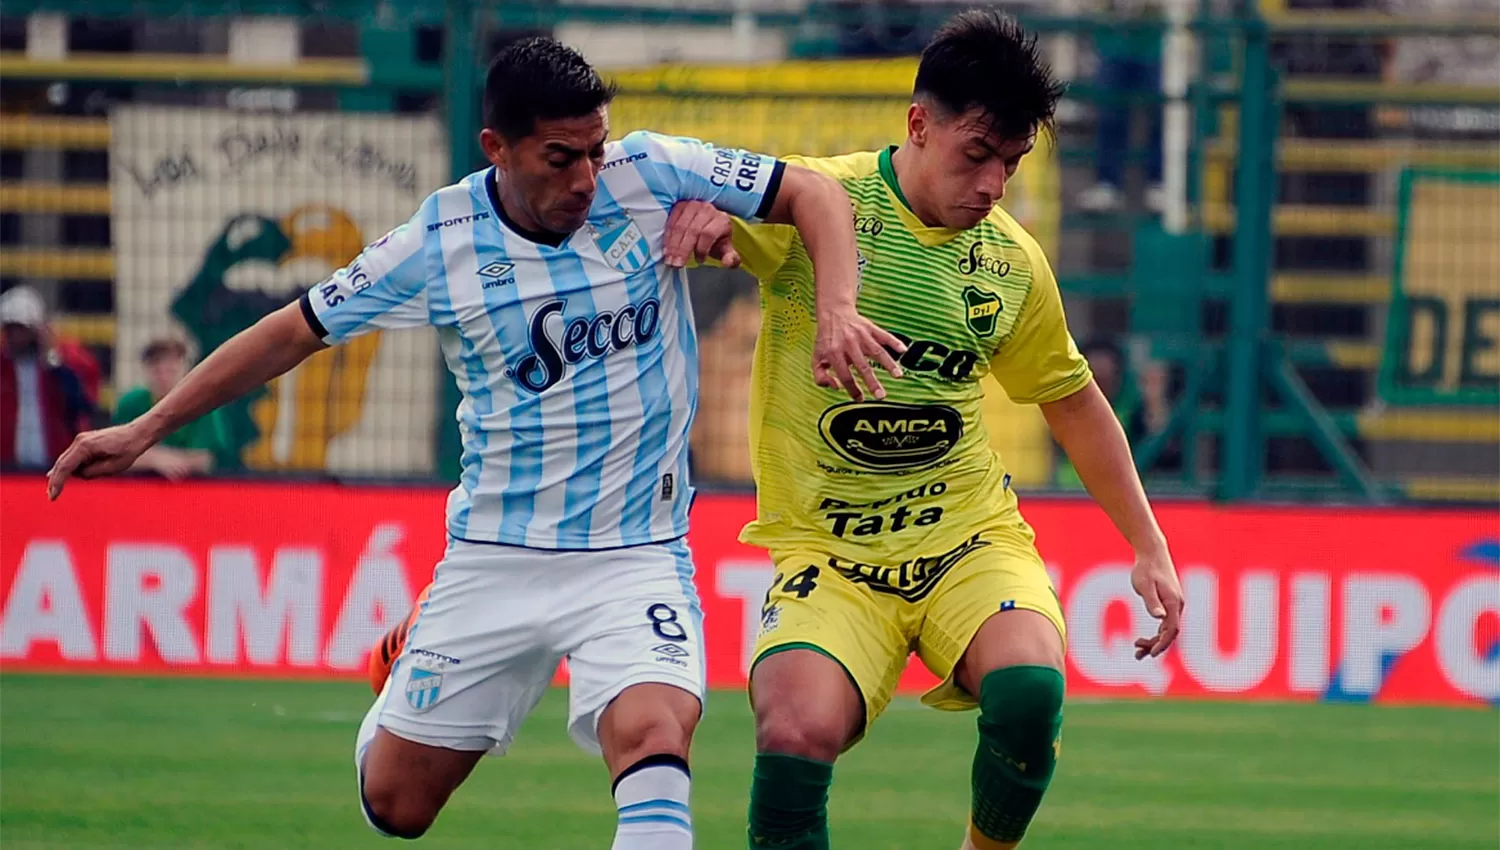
43	405
1129	64
194	449
84	364
1143	407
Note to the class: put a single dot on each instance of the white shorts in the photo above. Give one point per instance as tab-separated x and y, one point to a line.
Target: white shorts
499	620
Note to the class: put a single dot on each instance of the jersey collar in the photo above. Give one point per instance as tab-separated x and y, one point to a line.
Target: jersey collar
928	236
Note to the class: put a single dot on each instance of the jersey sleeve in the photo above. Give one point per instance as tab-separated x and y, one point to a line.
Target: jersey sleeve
384	288
1039	362
741	183
762	247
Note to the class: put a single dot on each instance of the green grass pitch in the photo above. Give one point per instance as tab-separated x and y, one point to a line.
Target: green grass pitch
190	763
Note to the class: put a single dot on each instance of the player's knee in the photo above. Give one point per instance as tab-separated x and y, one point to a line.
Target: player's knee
396	809
1021	712
636	735
815	735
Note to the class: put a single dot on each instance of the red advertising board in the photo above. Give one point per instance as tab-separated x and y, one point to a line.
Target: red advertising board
296	579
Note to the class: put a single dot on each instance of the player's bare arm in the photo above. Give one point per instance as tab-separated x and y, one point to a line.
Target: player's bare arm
1087	429
272	347
696	231
847	342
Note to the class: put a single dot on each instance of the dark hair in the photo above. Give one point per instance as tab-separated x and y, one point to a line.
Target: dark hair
538	79
163	346
986	59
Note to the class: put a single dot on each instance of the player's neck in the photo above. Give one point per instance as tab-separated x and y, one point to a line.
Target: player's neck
910	189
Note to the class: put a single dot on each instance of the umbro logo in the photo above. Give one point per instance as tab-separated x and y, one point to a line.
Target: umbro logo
498	274
670	650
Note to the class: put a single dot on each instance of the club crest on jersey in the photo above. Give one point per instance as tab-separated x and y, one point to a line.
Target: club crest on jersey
622	243
981	310
424	684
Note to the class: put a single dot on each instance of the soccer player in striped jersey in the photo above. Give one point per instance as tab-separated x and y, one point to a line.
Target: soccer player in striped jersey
563	314
891	523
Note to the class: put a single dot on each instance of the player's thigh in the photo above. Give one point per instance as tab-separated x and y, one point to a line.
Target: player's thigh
811	610
995	607
404	782
477	659
633	618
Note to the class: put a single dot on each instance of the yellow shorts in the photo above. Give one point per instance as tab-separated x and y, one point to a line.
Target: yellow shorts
871	617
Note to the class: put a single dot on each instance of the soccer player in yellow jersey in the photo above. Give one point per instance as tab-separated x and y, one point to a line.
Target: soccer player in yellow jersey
891	523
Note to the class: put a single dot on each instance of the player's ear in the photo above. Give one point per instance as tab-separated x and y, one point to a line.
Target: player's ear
494	147
918	123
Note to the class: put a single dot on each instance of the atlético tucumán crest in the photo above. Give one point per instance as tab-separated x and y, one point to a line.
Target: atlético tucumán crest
622	243
424	683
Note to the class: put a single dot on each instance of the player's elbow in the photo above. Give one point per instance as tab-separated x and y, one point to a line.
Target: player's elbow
292	332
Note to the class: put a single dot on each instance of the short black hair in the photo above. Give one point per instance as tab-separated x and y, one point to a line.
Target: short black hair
538	79
986	59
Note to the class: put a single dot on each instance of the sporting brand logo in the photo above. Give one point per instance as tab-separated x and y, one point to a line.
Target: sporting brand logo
635	157
463	219
981	310
888	436
582	338
868	225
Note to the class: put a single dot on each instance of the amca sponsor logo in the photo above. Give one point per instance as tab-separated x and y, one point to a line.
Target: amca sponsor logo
582	338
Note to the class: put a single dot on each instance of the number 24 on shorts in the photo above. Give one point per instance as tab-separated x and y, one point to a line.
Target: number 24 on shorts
801	583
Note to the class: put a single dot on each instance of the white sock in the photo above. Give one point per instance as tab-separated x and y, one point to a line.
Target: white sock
652	798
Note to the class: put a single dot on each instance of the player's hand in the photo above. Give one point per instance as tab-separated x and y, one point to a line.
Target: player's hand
95	454
697	230
846	346
1155	580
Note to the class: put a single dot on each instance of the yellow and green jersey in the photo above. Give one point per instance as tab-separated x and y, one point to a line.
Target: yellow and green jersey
884	481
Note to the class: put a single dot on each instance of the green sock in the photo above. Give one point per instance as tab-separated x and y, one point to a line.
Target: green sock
1019	722
789	803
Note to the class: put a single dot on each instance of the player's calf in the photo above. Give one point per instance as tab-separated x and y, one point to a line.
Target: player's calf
645	733
1019	722
1013	665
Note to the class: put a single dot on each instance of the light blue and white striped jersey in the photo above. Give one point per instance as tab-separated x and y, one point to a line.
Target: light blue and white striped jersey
578	362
